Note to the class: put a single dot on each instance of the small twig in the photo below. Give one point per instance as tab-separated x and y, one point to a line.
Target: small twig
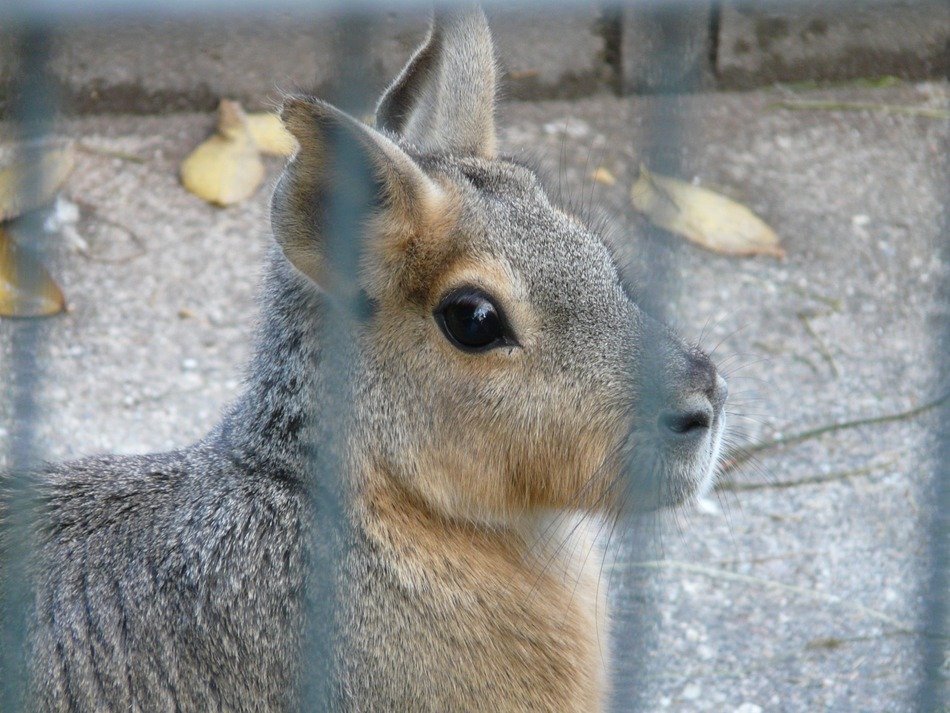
749	667
762	582
812	480
823	105
782	441
805	318
833	303
882	82
133	236
770	558
807	362
770	349
836	642
109	153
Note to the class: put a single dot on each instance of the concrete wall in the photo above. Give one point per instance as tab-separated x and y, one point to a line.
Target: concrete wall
593	47
168	66
832	41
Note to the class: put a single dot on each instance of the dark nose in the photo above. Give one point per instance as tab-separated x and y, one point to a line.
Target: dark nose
699	399
703	378
677	424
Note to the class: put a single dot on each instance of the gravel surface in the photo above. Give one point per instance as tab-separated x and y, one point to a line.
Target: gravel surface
780	594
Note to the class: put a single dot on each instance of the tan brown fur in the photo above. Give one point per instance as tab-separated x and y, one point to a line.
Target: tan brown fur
530	625
415	246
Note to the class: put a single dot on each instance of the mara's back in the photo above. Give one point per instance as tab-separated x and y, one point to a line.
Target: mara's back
167	582
491	399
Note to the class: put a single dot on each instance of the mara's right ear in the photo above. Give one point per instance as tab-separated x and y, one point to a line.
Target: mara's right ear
341	158
443	101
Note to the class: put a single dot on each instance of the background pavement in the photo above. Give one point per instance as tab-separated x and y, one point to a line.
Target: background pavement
578	48
790	596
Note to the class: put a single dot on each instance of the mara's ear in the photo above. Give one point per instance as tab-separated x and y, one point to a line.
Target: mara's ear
342	159
443	101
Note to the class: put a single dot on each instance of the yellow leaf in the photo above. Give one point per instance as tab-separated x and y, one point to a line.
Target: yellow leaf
270	135
226	168
26	288
602	175
20	191
706	218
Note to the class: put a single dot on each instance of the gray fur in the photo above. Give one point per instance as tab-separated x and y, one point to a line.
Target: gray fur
443	101
177	581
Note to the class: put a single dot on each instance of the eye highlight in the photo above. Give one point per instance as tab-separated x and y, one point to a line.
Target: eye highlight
472	322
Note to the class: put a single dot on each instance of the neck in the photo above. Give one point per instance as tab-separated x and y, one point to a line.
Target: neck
487	613
275	425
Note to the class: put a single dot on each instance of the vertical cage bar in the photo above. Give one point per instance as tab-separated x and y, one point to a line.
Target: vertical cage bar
934	637
655	288
32	114
349	201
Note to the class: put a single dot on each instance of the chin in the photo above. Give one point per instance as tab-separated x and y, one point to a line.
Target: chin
662	477
710	473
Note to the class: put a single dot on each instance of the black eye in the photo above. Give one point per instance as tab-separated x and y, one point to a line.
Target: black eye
472	322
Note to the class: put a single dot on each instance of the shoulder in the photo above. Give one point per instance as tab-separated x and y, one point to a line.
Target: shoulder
108	493
99	490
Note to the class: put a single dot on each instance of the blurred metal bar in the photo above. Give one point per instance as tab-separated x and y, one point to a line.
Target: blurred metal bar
64	11
933	695
635	610
68	11
32	117
349	201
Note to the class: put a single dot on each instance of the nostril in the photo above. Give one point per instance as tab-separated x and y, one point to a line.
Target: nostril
683	423
722	391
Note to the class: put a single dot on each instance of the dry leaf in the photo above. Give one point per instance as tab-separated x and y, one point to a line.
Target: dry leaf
26	288
602	175
706	218
227	167
55	161
270	135
518	74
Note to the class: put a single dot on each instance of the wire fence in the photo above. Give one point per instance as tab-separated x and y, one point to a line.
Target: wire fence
34	22
23	375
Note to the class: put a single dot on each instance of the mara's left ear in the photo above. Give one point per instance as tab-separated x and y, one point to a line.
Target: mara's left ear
443	101
342	159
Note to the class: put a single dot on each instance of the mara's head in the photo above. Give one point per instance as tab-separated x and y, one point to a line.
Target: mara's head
503	367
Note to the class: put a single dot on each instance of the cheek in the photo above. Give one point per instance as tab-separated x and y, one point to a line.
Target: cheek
572	462
493	434
507	451
457	446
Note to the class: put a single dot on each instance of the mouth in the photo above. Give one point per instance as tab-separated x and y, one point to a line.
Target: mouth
664	474
708	479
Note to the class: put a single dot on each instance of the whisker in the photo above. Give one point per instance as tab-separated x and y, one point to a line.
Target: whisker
731	334
558	520
729	374
702	333
562	160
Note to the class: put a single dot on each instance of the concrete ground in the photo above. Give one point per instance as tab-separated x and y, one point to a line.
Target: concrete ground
782	594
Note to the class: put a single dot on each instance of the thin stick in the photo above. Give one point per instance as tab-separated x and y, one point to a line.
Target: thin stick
762	582
813	480
805	318
783	441
109	153
823	105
